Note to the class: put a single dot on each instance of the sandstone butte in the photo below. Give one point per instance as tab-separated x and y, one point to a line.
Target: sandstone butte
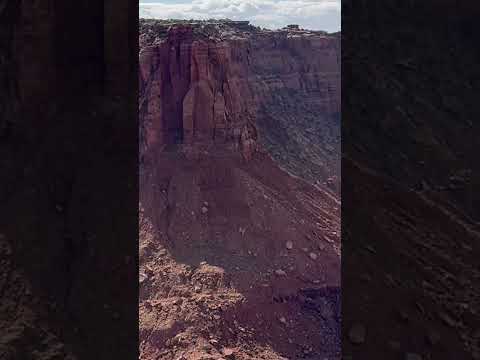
240	154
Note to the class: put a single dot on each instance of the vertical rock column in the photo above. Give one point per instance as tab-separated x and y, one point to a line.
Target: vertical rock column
220	132
198	124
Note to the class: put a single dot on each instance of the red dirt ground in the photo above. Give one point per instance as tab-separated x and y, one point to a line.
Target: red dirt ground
237	260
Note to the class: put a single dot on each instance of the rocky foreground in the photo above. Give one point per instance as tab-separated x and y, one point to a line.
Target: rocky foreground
239	183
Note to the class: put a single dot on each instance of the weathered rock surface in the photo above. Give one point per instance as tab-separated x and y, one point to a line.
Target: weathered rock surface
219	84
223	110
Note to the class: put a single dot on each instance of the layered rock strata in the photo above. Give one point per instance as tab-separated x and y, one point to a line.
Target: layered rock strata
237	257
216	83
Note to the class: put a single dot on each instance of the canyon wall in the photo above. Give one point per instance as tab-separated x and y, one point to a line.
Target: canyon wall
222	85
227	236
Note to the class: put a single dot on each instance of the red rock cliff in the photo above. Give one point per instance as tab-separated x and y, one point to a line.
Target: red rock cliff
215	85
224	242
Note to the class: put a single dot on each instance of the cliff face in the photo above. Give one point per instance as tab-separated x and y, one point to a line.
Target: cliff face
224	85
226	234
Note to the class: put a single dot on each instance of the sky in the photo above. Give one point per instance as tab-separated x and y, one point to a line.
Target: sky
272	14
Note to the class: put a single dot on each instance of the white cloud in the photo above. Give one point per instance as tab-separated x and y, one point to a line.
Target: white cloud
310	14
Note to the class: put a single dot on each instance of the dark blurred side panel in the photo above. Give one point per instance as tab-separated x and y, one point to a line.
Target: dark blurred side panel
79	44
410	209
68	179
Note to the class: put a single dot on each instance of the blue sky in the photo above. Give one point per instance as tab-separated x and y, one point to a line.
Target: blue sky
310	14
